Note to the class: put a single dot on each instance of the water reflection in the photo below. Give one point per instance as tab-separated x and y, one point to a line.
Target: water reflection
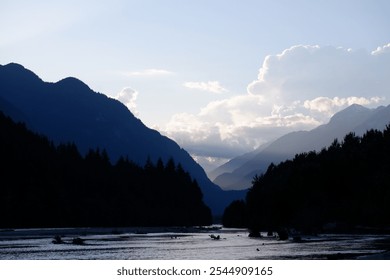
179	243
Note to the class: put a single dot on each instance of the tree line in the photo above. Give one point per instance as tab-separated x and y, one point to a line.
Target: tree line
341	188
44	185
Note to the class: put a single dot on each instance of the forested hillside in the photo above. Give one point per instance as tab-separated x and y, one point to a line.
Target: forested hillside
44	185
69	111
344	186
239	172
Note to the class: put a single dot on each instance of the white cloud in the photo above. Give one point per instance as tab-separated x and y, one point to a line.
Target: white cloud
233	126
211	86
381	50
128	96
300	88
149	72
329	106
307	72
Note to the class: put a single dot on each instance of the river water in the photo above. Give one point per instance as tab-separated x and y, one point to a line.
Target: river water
180	243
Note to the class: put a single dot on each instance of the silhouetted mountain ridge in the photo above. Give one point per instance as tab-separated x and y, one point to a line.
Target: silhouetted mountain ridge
354	118
69	111
344	187
44	185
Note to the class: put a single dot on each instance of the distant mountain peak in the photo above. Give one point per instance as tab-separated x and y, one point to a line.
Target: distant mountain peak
16	66
15	71
355	118
69	111
354	108
350	112
73	83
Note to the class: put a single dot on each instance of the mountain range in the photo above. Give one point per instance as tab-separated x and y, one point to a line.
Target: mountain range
69	111
238	173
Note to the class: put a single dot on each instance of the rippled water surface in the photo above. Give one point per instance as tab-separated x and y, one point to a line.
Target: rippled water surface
179	243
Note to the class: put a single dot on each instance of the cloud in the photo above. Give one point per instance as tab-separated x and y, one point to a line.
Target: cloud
149	72
211	86
128	97
381	50
233	126
328	105
297	89
305	73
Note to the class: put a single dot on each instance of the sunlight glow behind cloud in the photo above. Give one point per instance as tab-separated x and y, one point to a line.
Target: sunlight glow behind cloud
298	89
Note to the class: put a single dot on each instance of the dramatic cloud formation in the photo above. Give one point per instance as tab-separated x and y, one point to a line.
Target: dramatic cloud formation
128	96
299	88
338	76
212	86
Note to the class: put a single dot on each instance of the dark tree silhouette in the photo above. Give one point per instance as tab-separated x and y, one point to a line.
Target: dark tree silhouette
346	185
55	186
235	215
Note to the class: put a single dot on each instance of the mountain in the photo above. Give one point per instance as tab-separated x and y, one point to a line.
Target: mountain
343	188
234	163
69	111
354	118
44	185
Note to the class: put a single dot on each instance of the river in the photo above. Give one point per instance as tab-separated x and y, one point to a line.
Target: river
181	243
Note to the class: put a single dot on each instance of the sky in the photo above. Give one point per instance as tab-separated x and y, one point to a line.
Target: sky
220	77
